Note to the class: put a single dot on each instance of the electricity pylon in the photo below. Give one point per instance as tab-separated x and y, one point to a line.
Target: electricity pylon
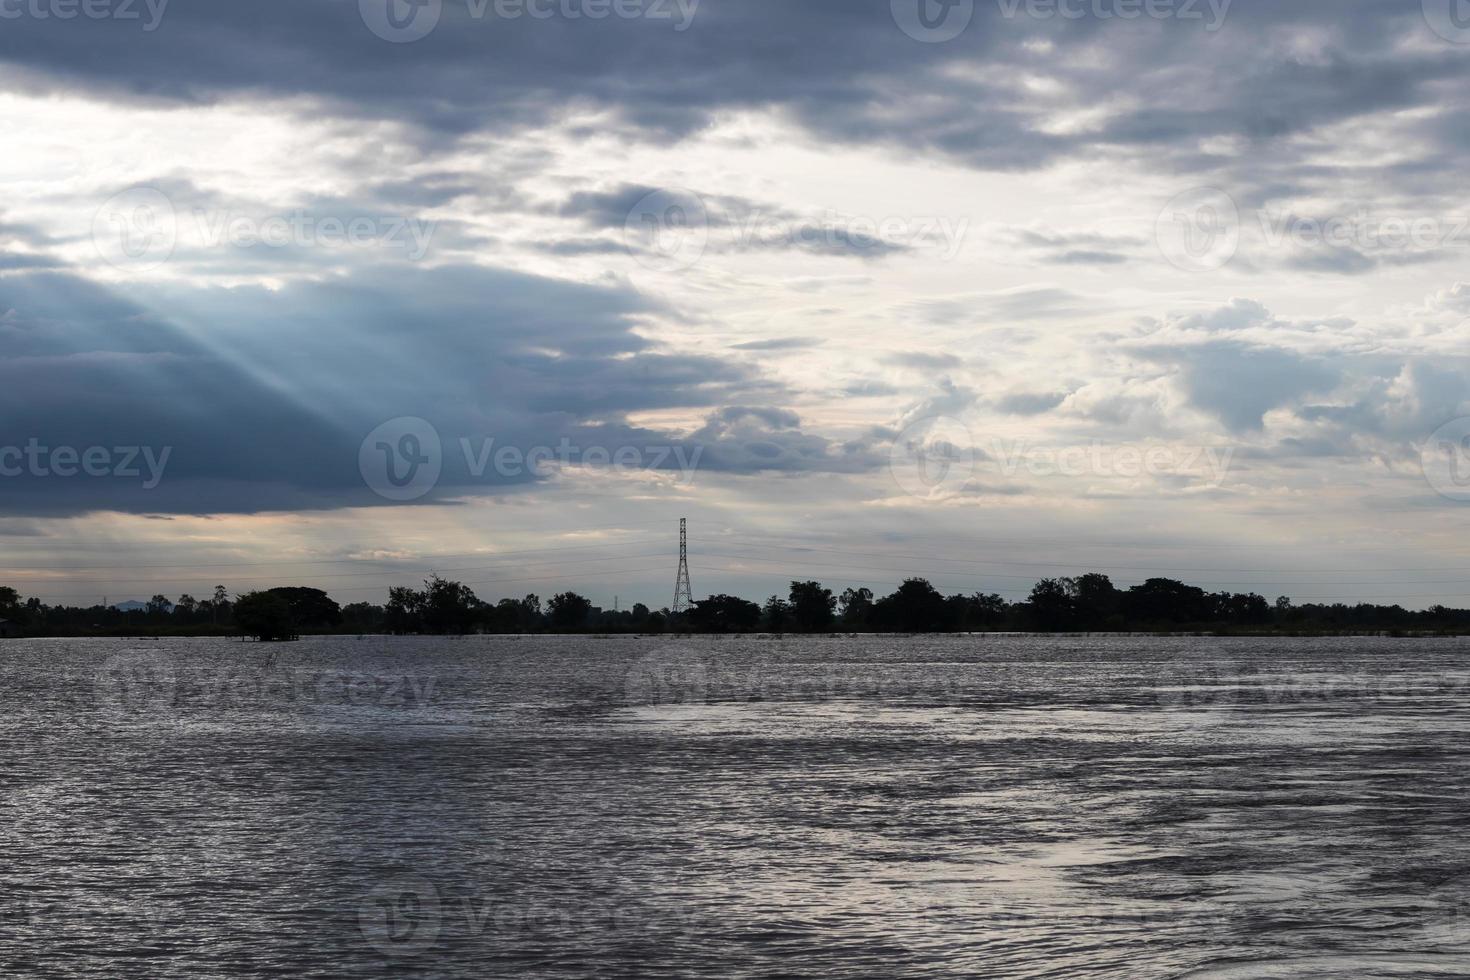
683	594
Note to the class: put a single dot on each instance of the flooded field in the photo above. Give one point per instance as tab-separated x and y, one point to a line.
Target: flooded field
995	806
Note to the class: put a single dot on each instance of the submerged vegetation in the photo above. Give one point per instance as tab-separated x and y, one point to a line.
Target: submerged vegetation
1086	603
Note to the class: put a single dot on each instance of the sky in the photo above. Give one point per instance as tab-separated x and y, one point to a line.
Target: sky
345	292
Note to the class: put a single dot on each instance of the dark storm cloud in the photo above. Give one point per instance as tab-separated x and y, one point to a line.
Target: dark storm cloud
262	398
838	67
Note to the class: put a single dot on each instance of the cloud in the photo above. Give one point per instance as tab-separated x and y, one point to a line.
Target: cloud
1318	64
1030	402
263	397
1022	303
1239	383
925	360
779	344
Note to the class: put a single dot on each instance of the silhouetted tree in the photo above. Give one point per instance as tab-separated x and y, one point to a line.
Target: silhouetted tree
916	607
363	617
568	612
855	606
448	606
404	612
725	614
311	609
1095	601
988	612
812	606
1051	606
776	615
265	616
1163	600
220	605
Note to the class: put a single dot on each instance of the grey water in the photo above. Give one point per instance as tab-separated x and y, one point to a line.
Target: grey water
978	806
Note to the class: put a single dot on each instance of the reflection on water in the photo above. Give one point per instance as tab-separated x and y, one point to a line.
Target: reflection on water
961	806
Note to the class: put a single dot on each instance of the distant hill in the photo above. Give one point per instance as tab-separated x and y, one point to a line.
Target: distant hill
133	605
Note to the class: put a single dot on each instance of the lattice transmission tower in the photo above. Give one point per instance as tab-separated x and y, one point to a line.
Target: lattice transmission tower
683	594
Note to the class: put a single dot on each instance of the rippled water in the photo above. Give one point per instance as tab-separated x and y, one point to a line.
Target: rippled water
959	806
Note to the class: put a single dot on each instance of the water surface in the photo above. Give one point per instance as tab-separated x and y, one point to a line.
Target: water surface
995	806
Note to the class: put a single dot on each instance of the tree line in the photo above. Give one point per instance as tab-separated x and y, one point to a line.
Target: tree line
1085	603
